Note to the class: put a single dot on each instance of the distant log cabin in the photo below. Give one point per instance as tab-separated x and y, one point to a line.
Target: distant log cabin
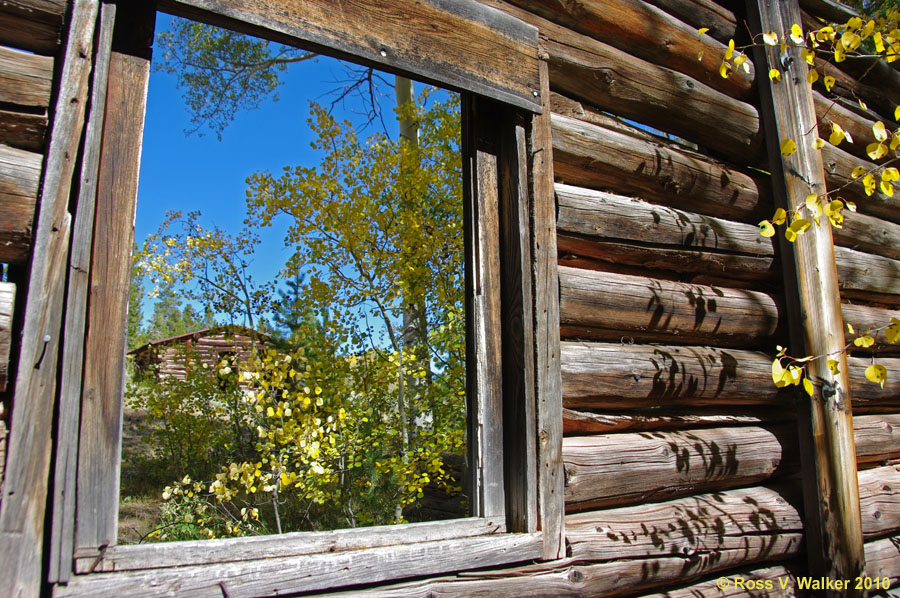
170	357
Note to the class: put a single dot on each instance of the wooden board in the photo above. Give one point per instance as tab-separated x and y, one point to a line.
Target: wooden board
877	437
7	308
99	449
868	233
20	173
590	156
32	25
864	275
25	79
879	501
630	468
783	581
546	331
763	520
462	45
608	306
720	21
22	512
883	558
588	422
287	575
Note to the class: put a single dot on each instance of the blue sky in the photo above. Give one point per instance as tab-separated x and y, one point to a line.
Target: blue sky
181	172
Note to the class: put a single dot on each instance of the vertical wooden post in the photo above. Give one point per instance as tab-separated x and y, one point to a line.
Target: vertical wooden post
831	494
30	443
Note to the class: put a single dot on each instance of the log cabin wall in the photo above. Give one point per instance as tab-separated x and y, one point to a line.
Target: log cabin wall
680	456
30	33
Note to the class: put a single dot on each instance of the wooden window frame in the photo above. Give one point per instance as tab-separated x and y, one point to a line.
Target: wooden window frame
514	412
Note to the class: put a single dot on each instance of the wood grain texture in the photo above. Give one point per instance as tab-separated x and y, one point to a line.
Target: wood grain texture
720	20
877	437
32	25
865	317
647	32
870	234
295	544
834	534
613	80
23	131
25	78
883	558
865	275
588	422
607	306
779	574
590	156
623	376
20	173
857	126
546	331
879	501
7	307
62	542
630	468
838	167
288	575
462	45
766	522
99	449
22	512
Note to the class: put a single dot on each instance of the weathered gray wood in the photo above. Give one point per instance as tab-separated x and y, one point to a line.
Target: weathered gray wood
591	156
763	520
838	166
883	558
519	446
25	78
99	449
864	317
866	274
548	386
879	501
811	283
32	25
783	582
586	422
20	173
877	96
649	33
830	111
483	325
624	376
566	106
287	575
831	10
609	306
62	542
668	100
620	469
868	233
7	307
23	131
22	512
462	45
296	544
877	437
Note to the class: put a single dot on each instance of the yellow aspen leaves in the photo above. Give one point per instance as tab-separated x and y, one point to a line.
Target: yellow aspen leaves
797	228
809	56
725	69
858	172
812	76
780	216
808	386
869	184
702	30
878	41
770	38
796	34
892	332
766	229
834	212
864	341
812	204
838	134
888	175
877	374
833	366
788	147
897	113
741	61
730	51
829	82
876	151
775	75
879	131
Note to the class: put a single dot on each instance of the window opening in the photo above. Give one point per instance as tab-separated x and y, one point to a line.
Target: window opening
296	357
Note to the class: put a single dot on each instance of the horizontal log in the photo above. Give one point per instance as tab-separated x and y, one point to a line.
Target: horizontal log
877	437
590	156
609	216
881	98
289	575
883	558
764	520
619	469
838	166
32	25
608	306
879	501
620	376
612	80
720	21
859	128
870	234
20	172
864	317
7	304
784	584
25	79
586	422
649	33
830	10
23	131
566	106
866	273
